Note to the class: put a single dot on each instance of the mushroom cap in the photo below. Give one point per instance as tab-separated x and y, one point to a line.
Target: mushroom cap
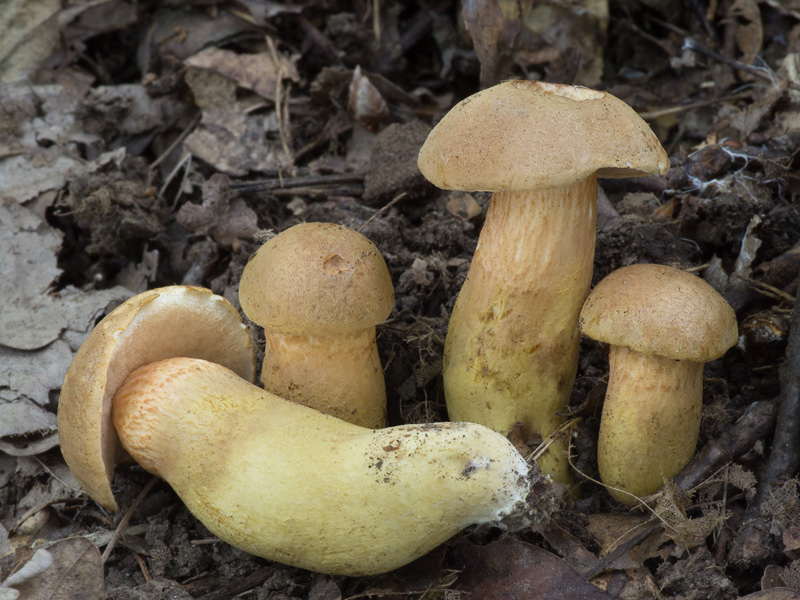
655	309
162	323
317	279
528	135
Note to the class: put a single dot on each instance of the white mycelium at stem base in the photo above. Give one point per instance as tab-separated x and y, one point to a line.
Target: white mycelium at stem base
512	343
288	483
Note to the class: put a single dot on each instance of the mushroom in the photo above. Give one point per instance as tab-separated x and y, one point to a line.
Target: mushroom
161	323
285	482
662	324
269	476
512	344
319	290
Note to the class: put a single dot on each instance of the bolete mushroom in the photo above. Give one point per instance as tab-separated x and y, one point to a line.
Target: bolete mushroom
319	290
269	476
161	323
288	483
662	324
512	344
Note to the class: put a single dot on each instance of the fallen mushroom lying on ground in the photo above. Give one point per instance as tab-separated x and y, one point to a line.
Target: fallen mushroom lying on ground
269	476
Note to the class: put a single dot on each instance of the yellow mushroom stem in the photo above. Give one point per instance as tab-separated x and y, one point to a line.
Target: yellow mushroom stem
650	421
288	483
512	344
320	371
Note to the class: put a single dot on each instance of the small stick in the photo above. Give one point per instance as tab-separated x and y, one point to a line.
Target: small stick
383	209
294	182
754	425
123	524
243	584
750	546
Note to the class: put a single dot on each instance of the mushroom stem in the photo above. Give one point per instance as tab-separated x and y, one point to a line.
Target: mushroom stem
288	483
512	344
330	365
650	422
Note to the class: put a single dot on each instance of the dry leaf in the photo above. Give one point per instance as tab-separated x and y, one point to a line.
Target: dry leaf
30	34
485	23
365	102
463	206
257	72
229	137
509	568
749	32
76	573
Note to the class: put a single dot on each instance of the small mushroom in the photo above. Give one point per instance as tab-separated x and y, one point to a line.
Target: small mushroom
161	323
319	290
512	344
290	484
662	324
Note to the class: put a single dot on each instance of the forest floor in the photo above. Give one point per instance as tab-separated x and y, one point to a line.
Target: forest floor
145	144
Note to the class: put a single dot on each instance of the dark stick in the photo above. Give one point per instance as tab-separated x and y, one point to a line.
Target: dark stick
248	582
754	425
751	544
293	182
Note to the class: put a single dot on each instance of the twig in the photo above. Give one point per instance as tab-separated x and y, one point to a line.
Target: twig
123	524
243	584
763	73
754	425
383	209
751	546
294	182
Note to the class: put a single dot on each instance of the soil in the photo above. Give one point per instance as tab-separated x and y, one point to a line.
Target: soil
218	154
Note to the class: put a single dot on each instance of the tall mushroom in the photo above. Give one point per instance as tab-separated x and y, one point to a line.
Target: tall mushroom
319	290
662	324
512	345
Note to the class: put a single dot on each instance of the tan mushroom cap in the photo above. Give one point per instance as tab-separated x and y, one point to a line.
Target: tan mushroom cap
527	135
163	323
655	309
317	279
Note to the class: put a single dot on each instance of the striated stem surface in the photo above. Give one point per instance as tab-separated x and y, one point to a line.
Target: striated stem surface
512	344
339	375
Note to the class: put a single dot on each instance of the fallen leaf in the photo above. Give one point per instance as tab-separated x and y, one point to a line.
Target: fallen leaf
30	34
257	72
509	569
229	137
76	573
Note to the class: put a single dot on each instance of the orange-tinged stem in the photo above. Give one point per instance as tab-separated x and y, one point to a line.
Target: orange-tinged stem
340	375
512	344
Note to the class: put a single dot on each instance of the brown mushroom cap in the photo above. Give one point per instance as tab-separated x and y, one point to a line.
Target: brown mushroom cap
655	309
162	323
317	279
527	135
